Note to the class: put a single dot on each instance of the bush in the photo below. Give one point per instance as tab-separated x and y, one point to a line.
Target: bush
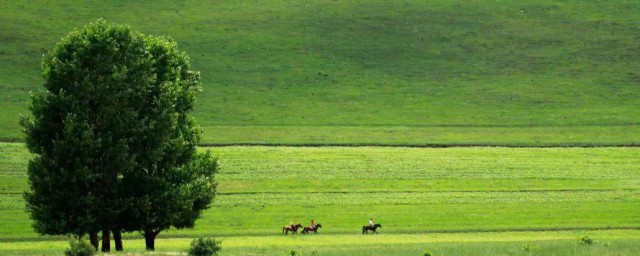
586	240
80	247
528	247
204	247
292	253
427	253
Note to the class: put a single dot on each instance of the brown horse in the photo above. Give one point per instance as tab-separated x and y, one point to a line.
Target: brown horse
294	229
365	229
306	230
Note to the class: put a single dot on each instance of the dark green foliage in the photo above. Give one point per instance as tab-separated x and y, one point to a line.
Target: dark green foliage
528	247
204	247
112	132
586	240
427	253
79	247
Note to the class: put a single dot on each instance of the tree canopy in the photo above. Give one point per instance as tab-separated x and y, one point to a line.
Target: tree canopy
114	146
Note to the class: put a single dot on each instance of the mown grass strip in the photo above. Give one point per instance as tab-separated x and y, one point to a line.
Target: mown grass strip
434	136
458	184
373	163
424	198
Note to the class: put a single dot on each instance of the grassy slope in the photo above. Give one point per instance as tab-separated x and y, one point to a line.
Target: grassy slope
411	191
378	72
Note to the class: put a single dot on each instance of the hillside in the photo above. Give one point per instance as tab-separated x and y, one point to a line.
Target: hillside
372	72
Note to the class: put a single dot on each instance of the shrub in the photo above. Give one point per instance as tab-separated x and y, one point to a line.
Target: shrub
204	247
80	247
586	240
528	247
427	253
292	253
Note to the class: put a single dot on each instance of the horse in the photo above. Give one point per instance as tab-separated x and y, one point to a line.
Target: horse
306	230
294	229
365	229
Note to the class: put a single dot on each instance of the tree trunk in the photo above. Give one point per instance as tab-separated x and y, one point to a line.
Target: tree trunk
117	238
106	240
149	239
93	239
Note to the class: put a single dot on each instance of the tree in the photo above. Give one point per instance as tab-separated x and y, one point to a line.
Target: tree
114	147
180	196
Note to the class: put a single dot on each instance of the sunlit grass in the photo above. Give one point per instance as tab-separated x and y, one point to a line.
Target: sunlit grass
408	190
614	242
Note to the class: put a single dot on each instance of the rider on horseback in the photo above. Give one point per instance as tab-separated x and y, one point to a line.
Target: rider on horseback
313	225
291	223
371	222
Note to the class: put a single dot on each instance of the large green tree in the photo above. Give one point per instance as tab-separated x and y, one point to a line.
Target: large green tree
114	147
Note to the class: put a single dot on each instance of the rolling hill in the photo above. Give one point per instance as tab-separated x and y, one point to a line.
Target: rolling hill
372	72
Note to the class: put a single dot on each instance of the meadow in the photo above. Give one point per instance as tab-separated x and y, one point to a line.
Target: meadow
376	72
557	243
421	87
494	200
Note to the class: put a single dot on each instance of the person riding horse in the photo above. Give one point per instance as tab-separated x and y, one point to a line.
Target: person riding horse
314	229
371	226
292	228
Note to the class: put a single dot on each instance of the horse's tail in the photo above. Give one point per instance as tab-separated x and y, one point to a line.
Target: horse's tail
283	229
363	229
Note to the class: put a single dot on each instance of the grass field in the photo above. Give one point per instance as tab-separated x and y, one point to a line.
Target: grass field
557	77
562	243
372	72
493	200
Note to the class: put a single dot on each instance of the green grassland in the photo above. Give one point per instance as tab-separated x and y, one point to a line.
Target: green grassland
559	243
439	73
494	200
459	72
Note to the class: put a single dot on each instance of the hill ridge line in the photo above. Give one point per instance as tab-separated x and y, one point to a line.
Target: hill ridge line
394	145
434	191
425	125
426	145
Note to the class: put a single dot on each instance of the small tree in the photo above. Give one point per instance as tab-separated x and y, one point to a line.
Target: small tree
114	147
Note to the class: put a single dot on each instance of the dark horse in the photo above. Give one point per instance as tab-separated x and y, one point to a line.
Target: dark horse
306	230
365	229
294	229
